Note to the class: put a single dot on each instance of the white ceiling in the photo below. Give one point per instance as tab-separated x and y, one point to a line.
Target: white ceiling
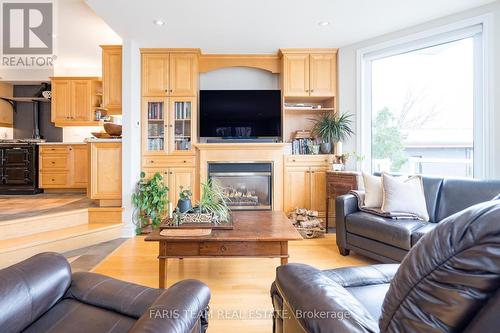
256	26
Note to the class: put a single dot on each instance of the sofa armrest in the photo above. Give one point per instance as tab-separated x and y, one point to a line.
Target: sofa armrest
182	308
319	303
102	291
344	205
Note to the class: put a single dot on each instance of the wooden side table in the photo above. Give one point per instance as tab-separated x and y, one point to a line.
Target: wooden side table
339	183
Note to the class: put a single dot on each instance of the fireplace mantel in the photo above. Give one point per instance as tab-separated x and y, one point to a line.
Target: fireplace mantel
246	152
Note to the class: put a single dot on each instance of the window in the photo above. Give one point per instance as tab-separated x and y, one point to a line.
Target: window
423	105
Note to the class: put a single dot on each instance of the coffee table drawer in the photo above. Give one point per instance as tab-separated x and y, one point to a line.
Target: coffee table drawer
250	249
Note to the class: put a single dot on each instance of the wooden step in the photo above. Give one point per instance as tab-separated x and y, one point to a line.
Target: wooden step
20	227
66	239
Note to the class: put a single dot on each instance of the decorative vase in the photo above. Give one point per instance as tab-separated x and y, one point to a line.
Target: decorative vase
326	148
184	205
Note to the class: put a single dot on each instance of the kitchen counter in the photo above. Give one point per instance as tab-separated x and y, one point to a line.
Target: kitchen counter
60	143
90	140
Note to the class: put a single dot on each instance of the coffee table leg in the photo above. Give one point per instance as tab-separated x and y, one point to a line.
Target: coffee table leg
284	251
163	272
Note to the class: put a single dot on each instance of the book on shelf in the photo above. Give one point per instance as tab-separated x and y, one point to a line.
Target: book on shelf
155	111
301	146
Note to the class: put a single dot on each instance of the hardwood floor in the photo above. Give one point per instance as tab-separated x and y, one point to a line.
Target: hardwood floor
240	287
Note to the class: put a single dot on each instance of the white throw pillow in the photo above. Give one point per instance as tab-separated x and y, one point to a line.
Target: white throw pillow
404	196
373	191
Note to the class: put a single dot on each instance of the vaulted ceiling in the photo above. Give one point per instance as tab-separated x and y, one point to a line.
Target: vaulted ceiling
265	25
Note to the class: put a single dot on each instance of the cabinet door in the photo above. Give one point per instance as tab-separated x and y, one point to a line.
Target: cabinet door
297	188
183	74
81	98
106	171
79	166
155	130
178	177
323	74
318	190
155	69
296	75
182	124
61	101
112	79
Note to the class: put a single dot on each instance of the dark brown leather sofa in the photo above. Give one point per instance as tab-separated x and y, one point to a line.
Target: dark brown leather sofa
388	240
41	294
449	282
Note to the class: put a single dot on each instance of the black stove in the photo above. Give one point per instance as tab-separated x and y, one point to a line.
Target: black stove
19	166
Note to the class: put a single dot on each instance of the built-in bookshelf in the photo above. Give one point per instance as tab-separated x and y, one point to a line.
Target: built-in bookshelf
155	126
182	125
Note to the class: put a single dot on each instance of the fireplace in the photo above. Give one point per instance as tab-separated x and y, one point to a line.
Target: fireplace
246	185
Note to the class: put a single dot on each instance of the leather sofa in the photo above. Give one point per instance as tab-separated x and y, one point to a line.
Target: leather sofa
449	282
41	294
387	240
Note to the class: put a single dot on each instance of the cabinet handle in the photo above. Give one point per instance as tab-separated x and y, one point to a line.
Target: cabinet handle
184	161
307	90
294	160
70	148
166	90
171	91
151	161
53	180
53	162
170	125
312	90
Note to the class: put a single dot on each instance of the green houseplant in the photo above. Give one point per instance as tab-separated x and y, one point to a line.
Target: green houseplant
150	201
184	202
213	201
331	128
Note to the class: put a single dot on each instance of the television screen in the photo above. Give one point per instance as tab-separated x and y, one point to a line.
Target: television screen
240	113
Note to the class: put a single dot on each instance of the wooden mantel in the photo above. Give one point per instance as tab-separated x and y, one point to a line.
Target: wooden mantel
267	62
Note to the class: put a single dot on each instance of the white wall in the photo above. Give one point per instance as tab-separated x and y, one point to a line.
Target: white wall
348	74
239	78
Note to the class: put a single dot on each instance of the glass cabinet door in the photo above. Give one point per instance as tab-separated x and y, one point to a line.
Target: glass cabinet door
182	124
155	126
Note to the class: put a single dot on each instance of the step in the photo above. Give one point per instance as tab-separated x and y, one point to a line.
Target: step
20	227
66	239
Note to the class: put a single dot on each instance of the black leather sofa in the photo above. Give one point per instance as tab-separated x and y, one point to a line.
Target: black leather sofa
41	295
388	240
449	282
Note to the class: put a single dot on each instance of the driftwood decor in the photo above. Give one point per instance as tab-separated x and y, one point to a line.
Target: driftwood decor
307	223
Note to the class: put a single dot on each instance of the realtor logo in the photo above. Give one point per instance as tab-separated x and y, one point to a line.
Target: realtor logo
27	28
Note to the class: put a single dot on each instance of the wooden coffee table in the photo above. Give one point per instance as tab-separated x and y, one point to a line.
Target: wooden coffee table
261	234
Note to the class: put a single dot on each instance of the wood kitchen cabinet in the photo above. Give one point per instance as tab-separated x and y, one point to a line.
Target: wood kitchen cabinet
63	166
309	72
105	166
6	112
305	179
337	184
74	100
112	79
169	72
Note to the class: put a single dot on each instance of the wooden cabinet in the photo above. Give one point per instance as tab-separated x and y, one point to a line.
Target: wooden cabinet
309	72
63	166
169	72
105	183
174	178
168	125
305	179
112	79
337	184
6	112
74	100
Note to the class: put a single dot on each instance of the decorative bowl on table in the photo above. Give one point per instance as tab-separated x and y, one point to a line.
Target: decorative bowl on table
113	129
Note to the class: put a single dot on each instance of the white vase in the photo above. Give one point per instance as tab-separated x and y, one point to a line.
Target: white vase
338	148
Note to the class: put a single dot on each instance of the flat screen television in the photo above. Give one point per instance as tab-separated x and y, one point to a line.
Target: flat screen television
240	113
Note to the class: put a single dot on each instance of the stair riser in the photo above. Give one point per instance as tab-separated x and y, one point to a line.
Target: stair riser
37	224
8	258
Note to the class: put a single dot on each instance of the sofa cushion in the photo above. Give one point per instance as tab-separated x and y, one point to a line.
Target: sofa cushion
459	194
75	317
389	231
420	232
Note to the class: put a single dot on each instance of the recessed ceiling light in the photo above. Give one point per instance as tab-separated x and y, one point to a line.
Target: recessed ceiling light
159	22
323	23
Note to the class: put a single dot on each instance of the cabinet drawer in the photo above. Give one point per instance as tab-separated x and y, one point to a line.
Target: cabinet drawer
59	149
54	179
239	248
309	160
153	161
49	162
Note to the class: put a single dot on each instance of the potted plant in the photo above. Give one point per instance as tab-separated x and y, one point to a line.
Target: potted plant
332	128
150	201
184	202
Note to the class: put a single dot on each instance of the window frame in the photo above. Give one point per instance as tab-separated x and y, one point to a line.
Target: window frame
478	27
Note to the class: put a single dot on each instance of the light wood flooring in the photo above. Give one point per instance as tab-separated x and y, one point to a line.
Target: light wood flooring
240	287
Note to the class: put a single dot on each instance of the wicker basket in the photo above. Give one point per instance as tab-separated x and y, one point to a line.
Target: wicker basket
309	233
